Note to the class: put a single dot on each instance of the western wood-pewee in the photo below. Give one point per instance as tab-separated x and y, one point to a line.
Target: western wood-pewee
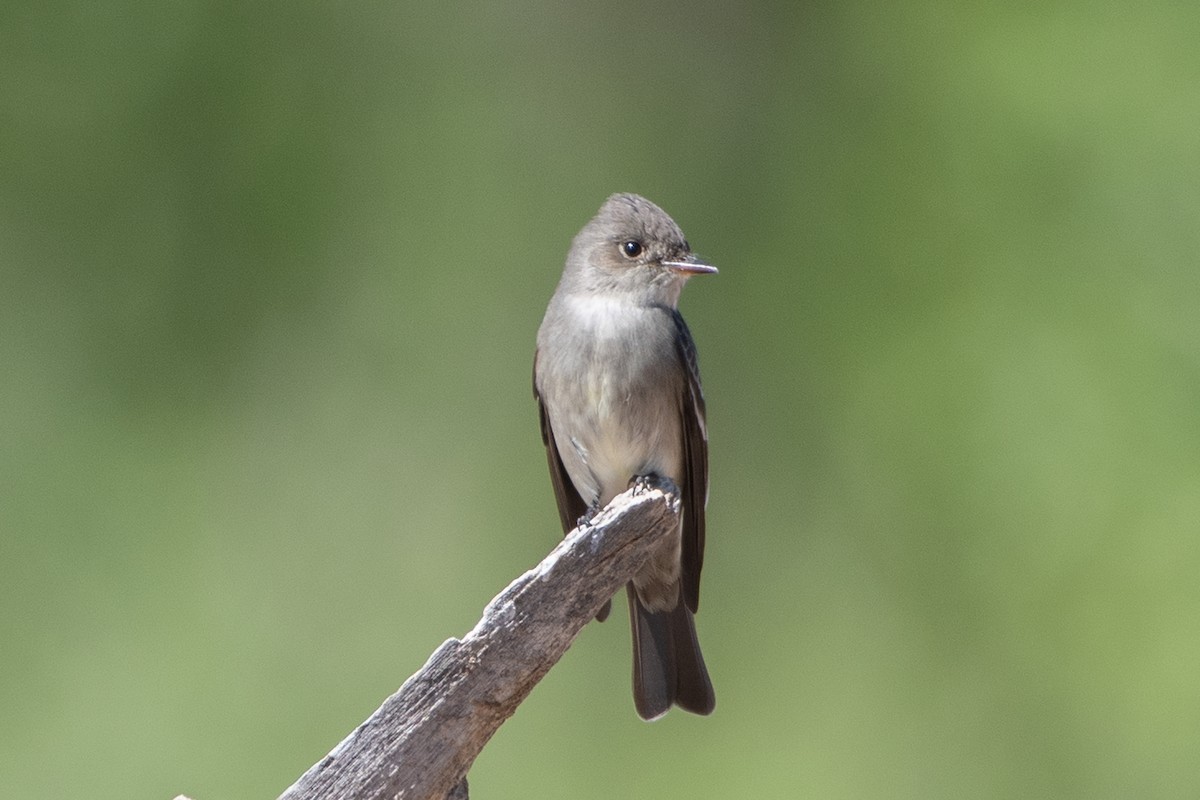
619	397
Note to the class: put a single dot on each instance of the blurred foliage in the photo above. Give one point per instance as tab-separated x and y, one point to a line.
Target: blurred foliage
269	281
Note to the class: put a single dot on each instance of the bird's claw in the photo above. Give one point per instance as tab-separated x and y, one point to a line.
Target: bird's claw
640	484
588	516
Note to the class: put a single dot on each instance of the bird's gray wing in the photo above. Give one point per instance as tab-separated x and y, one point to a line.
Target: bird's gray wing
570	505
695	463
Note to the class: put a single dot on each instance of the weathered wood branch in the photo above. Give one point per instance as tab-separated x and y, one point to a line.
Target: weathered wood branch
420	743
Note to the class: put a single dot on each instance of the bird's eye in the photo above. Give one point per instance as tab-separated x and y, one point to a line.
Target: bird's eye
632	248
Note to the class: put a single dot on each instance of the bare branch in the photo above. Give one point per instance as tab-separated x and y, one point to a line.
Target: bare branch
420	743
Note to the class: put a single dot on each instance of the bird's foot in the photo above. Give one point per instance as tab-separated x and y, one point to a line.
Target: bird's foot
640	483
588	516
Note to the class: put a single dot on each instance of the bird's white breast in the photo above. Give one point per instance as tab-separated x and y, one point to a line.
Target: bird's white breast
618	442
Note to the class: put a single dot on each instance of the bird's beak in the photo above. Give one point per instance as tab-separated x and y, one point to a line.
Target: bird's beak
691	265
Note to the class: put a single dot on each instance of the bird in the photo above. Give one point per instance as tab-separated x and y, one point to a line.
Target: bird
619	398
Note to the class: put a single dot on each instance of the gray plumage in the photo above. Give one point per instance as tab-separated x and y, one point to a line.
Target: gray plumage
619	396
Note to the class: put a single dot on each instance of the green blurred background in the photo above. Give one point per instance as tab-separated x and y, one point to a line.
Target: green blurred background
269	282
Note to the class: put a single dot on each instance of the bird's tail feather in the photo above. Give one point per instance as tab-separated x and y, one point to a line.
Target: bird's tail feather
668	667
